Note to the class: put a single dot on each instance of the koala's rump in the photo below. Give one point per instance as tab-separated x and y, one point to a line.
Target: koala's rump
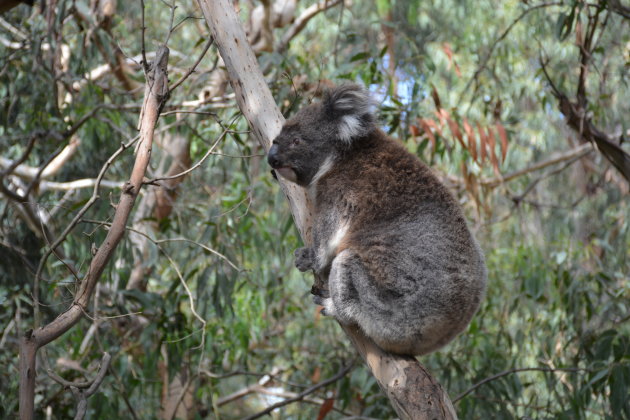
420	286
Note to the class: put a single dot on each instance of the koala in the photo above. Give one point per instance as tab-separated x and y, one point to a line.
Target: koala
392	241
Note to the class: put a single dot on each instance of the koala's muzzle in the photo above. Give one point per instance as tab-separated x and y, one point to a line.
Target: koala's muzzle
275	161
273	158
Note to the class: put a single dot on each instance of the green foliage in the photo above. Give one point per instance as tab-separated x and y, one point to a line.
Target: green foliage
555	319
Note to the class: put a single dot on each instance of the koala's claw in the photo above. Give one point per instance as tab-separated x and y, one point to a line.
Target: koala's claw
304	259
328	309
318	300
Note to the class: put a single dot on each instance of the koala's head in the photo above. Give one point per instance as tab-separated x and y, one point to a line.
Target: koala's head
318	133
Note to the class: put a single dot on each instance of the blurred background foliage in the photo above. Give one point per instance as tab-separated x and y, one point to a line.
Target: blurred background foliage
470	86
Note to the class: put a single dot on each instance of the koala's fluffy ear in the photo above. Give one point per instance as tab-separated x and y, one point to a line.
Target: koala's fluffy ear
350	106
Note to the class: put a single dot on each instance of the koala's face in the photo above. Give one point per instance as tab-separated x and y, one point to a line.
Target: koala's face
319	132
303	145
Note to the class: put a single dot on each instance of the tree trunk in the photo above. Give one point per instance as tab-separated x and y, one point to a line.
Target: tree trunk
413	392
156	93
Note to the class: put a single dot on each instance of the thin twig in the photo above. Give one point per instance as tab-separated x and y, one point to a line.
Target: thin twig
159	241
530	187
304	393
154	181
180	397
75	221
145	65
194	66
84	395
488	55
577	152
301	21
21	159
511	371
170	25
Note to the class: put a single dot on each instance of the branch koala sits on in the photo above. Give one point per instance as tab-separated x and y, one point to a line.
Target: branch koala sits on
391	239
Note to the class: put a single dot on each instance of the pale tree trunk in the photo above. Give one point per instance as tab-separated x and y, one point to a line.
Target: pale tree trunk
414	394
156	93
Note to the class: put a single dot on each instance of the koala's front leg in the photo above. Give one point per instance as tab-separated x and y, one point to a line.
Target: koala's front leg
304	259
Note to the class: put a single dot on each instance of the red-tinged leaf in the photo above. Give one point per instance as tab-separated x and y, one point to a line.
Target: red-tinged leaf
436	98
451	60
318	313
434	126
465	174
472	144
414	130
427	129
455	130
317	373
504	141
325	408
483	142
493	154
440	116
447	50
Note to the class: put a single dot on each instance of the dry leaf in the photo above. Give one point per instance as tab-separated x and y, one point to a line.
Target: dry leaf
427	129
434	126
455	129
493	154
436	98
504	142
483	142
451	60
325	408
472	144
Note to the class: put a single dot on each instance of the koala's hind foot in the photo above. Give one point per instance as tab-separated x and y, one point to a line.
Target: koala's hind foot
304	259
320	287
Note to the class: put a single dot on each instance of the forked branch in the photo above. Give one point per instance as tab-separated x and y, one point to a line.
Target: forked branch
156	94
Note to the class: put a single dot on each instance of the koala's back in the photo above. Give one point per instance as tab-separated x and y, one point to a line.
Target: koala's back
422	272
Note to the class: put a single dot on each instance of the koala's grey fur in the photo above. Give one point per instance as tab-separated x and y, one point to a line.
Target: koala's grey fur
400	260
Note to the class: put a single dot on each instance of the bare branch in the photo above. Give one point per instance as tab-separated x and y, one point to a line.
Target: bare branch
22	36
161	241
8	170
55	165
192	168
75	220
79	184
84	395
484	62
342	372
577	152
511	371
145	64
577	118
620	9
172	20
156	93
301	21
194	66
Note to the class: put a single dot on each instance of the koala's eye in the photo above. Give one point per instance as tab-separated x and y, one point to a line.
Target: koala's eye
295	141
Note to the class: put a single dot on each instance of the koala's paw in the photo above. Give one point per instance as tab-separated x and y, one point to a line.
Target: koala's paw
317	290
304	258
327	303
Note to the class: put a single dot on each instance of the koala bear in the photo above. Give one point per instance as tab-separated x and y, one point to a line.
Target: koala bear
392	241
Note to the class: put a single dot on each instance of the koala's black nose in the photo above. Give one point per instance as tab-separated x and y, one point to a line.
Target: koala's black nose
272	157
